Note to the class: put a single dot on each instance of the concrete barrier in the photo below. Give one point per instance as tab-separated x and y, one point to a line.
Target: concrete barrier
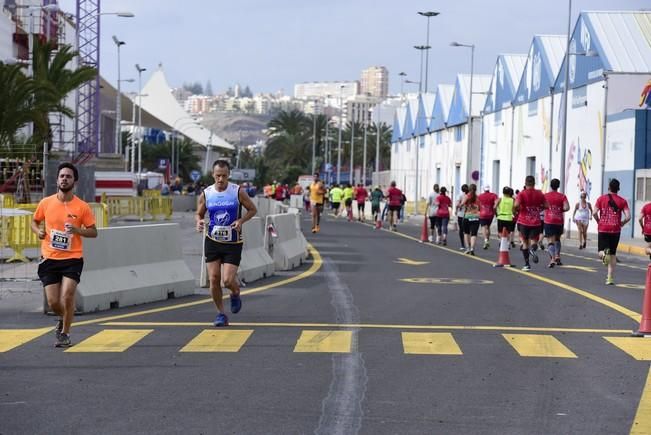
184	202
288	247
133	265
296	201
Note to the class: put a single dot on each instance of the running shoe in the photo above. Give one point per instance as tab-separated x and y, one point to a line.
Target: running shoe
526	268
463	248
59	328
472	252
551	265
63	340
610	281
317	229
512	244
558	262
534	256
313	230
221	320
236	303
486	245
430	239
395	227
606	257
445	243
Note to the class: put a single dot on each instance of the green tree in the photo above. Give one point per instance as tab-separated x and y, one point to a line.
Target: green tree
289	144
153	153
54	81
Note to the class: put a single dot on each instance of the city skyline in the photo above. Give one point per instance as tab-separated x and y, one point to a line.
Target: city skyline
275	46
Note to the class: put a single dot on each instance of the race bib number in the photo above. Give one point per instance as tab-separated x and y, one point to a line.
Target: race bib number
60	240
222	233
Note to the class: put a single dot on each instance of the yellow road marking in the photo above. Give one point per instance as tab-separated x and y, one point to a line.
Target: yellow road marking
379	326
597	260
598	299
11	338
324	341
111	340
446	281
222	340
402	260
638	348
633	286
314	267
583	268
642	421
532	345
428	343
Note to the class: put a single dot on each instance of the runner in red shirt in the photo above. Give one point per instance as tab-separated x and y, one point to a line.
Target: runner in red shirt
608	212
554	219
645	223
444	203
528	204
394	199
360	196
487	202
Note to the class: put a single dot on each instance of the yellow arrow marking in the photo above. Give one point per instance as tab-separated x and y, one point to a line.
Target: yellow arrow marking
402	260
583	268
633	286
446	281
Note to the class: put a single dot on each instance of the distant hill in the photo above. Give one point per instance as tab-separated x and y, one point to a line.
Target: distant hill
229	126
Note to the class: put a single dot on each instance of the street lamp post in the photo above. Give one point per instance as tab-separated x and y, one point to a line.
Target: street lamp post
428	15
472	72
377	140
364	157
402	83
351	178
314	138
420	48
566	88
341	114
140	71
118	103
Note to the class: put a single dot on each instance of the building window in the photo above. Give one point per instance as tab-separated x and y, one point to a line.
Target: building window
496	176
458	133
531	166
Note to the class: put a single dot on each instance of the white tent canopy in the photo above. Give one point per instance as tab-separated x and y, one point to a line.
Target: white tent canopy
158	100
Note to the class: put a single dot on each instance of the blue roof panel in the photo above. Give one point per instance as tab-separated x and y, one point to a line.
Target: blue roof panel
543	62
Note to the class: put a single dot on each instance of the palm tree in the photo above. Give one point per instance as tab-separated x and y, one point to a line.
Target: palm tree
51	73
289	147
17	108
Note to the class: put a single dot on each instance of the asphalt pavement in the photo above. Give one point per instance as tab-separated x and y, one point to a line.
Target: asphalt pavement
376	334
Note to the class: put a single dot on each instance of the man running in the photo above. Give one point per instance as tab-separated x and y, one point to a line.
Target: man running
433	212
504	210
394	198
67	219
486	213
528	205
608	211
348	201
645	224
554	219
461	211
376	198
317	194
360	197
336	194
223	242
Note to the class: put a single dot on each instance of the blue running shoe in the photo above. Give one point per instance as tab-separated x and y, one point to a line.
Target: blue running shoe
236	303
221	320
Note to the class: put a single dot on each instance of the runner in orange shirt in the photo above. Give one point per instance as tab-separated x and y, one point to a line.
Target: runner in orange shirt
67	219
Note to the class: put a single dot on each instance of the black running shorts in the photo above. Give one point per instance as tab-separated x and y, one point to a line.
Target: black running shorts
485	222
509	225
52	271
432	221
608	241
470	227
529	233
230	253
553	230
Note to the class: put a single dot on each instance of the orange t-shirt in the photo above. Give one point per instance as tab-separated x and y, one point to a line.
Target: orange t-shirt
57	244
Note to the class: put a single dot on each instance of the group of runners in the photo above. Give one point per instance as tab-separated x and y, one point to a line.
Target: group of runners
62	220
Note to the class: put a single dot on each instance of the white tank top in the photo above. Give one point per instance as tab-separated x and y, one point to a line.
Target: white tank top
583	213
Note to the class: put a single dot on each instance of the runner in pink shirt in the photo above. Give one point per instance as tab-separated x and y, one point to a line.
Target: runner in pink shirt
645	223
554	219
360	196
608	212
528	205
394	199
487	202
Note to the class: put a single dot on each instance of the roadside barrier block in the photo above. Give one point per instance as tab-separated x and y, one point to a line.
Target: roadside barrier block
256	261
289	247
133	265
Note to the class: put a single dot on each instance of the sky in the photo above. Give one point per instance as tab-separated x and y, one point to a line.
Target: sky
273	44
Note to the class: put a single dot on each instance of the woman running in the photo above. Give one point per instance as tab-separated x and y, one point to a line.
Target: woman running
471	219
581	217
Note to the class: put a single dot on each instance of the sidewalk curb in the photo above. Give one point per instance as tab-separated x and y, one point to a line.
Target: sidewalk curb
631	249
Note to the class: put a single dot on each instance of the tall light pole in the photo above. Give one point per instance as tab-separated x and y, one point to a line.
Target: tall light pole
314	139
472	73
428	15
367	116
118	103
341	114
420	48
566	88
351	178
140	71
377	138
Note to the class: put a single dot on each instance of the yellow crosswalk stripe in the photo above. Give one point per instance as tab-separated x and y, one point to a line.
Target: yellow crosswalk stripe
324	341
211	340
430	343
111	340
12	338
638	348
532	345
